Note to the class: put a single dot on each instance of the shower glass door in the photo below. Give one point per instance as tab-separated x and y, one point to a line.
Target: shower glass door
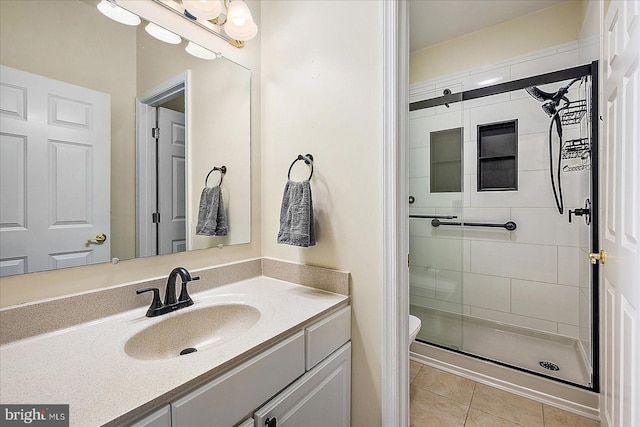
436	188
503	215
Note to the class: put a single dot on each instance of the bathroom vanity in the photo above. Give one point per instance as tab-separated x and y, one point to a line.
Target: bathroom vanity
279	354
323	375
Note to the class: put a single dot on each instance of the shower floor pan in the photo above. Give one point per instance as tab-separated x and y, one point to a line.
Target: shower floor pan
519	347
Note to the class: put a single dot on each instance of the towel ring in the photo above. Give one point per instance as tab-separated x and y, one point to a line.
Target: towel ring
223	171
308	159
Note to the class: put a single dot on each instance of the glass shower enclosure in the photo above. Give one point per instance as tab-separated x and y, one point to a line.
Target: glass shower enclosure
503	216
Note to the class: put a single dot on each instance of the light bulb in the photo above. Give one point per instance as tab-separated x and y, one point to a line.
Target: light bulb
205	9
162	34
240	25
118	14
200	52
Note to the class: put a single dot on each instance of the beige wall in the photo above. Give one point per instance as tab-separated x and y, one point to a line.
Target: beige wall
37	286
322	94
535	31
75	44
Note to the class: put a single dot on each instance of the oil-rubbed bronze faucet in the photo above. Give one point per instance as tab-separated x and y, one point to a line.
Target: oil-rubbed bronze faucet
157	308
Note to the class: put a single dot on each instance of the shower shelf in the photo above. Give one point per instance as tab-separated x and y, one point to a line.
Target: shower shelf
576	148
586	164
574	112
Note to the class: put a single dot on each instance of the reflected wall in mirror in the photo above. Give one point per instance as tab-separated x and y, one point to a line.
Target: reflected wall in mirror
71	79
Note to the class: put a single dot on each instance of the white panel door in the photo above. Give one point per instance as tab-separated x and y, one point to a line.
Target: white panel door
620	395
55	173
171	182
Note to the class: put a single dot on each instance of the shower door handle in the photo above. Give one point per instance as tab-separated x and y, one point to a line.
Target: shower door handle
599	256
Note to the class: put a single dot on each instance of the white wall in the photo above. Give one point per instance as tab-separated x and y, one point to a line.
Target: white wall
322	94
530	277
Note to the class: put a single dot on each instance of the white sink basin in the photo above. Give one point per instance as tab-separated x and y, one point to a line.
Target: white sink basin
197	329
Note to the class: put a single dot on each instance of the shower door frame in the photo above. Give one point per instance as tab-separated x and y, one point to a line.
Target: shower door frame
542	79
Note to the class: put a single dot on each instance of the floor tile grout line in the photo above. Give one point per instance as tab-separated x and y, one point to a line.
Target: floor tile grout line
470	402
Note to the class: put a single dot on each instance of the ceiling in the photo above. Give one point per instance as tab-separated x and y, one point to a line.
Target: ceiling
434	21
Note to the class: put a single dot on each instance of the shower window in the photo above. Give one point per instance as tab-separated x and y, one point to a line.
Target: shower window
446	161
498	156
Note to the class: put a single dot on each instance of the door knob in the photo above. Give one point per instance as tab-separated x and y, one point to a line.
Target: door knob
99	239
599	256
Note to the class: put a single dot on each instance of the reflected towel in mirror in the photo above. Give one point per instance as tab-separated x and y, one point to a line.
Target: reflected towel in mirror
212	218
296	215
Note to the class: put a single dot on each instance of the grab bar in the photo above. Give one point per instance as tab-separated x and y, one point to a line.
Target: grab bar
434	216
509	225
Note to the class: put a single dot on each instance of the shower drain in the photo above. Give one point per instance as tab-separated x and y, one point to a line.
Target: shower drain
549	365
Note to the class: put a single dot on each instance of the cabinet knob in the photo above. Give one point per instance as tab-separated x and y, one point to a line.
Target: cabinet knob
271	422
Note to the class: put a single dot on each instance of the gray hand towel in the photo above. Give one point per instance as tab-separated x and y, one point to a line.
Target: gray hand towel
212	218
296	215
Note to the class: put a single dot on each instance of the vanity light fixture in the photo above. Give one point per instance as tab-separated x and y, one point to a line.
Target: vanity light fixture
238	23
201	52
204	9
110	9
162	34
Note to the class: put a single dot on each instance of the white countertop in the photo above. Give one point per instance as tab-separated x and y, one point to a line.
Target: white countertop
86	366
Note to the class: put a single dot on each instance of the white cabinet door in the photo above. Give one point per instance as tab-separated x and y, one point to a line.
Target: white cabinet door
159	418
320	398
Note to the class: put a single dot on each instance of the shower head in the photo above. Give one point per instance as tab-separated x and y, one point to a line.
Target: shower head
552	99
538	94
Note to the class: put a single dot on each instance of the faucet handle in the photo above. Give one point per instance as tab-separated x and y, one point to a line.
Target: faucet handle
155	304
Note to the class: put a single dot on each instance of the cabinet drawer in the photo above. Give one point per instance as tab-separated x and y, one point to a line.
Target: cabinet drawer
228	399
159	418
321	398
246	423
324	337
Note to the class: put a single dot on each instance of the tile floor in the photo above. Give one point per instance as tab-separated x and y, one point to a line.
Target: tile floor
441	399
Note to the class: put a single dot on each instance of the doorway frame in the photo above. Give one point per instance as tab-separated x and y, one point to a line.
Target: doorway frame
395	215
146	180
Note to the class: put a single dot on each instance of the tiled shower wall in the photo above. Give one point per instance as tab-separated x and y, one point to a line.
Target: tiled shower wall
535	277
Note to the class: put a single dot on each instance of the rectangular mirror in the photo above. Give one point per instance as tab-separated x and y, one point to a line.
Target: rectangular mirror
79	160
